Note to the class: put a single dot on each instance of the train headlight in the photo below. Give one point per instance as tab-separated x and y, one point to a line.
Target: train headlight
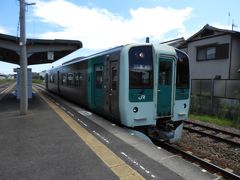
135	109
141	55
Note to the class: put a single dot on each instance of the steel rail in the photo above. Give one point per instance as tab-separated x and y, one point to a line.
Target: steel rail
214	129
233	143
4	85
203	163
6	90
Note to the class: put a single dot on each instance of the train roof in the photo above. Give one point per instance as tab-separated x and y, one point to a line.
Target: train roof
108	51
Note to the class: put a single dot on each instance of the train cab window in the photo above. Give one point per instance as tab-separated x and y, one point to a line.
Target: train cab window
182	80
70	80
99	77
64	79
140	67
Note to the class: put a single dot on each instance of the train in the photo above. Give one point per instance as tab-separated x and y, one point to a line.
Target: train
142	86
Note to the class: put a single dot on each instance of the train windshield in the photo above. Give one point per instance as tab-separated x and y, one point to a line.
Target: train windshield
140	67
182	70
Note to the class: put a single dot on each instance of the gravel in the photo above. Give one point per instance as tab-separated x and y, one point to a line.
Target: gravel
220	154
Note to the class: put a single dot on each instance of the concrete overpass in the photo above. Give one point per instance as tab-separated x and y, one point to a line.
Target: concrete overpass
39	51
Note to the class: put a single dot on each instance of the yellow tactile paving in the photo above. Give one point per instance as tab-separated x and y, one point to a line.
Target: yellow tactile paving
112	161
123	169
116	164
132	177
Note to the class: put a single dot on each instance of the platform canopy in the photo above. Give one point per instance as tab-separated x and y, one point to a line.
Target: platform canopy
39	51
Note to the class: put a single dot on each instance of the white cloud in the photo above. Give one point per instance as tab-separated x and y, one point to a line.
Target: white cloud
3	30
221	26
100	29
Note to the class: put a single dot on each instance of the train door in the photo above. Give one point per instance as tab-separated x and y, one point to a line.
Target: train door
113	88
98	86
165	87
58	82
46	80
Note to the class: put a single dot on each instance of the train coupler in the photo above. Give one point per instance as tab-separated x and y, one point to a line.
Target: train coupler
159	134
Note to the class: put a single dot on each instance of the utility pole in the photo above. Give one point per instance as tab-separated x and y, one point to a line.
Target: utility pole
23	62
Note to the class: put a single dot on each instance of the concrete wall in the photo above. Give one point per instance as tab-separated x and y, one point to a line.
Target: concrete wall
210	68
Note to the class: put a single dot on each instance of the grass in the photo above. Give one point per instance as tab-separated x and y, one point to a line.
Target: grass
2	81
37	81
215	120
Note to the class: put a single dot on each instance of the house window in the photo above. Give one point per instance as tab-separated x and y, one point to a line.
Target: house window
212	52
201	54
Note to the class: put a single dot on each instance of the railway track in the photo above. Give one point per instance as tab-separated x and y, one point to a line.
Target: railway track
217	134
3	86
203	163
6	88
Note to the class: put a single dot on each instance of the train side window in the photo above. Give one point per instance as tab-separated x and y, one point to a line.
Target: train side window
52	78
70	80
80	77
114	78
64	79
76	80
99	77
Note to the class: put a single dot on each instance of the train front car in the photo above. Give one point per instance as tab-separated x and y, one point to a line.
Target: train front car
142	86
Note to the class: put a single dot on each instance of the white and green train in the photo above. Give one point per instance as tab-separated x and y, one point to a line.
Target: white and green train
140	86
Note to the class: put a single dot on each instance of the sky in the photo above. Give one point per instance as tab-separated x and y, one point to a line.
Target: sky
103	24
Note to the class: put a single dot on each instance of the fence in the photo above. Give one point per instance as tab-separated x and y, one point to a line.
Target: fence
221	88
216	97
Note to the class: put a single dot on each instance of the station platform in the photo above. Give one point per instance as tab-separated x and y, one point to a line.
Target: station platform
59	140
